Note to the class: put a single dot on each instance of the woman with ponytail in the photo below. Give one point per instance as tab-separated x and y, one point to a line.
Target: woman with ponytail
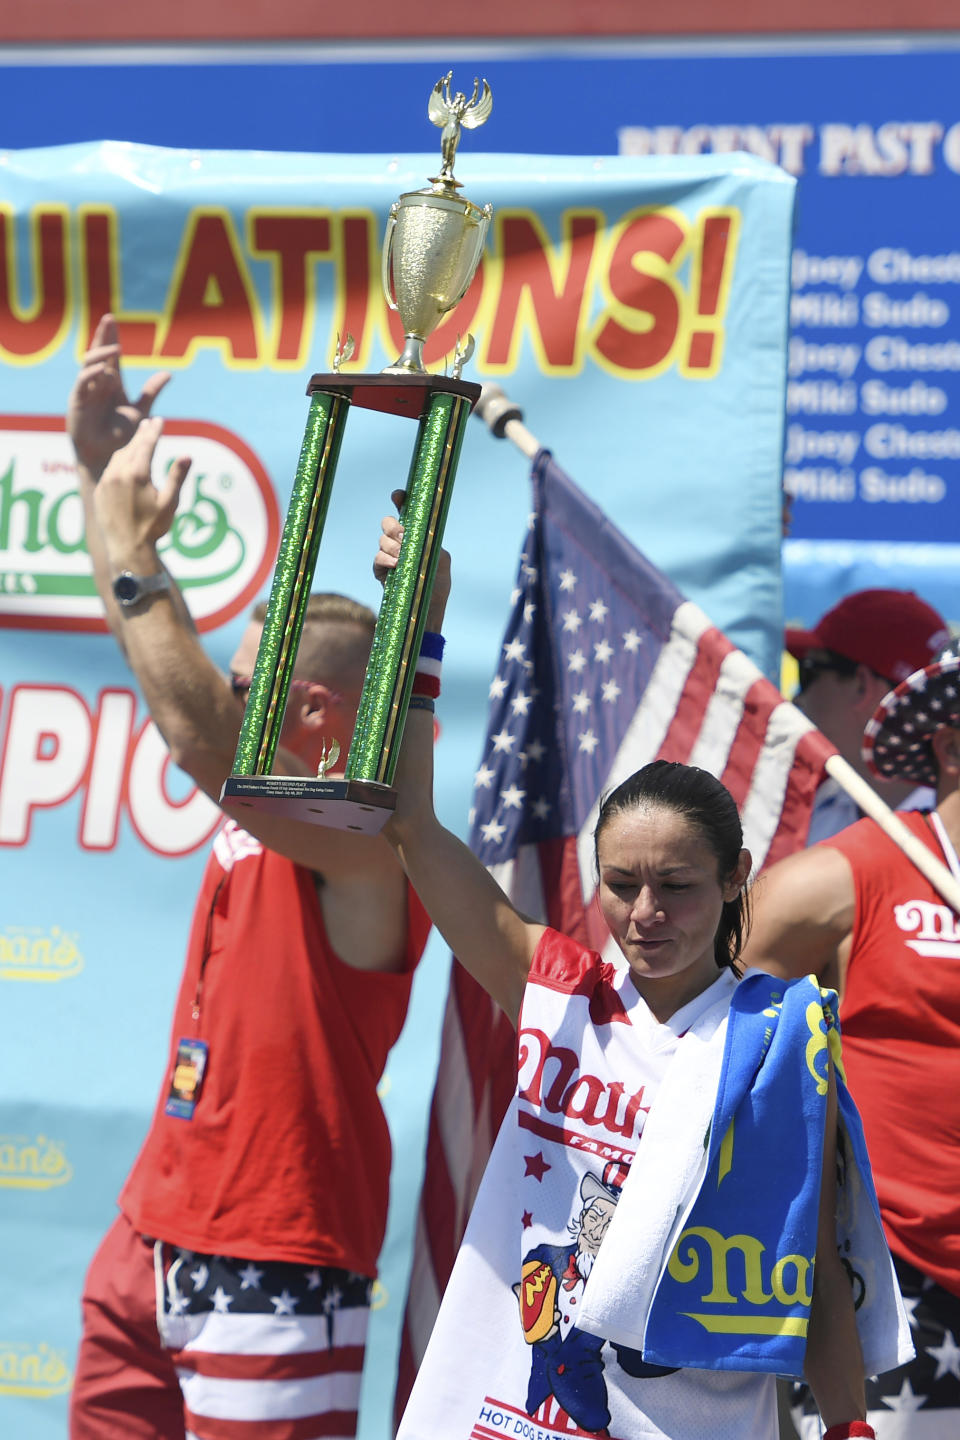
656	1236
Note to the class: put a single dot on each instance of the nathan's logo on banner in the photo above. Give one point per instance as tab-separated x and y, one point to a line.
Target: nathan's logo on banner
35	954
220	547
36	1371
38	1164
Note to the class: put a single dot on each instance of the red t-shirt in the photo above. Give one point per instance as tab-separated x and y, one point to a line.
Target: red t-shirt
287	1154
901	1044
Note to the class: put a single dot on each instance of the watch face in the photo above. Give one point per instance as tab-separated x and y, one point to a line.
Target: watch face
126	589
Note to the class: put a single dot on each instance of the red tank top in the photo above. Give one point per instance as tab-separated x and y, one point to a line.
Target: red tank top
900	1015
287	1155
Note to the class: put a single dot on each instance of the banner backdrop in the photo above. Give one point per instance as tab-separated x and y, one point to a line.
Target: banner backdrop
868	126
649	294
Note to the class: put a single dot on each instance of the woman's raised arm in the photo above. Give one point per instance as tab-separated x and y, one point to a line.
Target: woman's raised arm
488	936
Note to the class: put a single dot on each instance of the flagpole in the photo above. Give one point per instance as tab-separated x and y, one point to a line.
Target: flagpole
504	419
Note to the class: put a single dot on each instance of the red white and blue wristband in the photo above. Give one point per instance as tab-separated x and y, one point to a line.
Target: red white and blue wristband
426	679
851	1430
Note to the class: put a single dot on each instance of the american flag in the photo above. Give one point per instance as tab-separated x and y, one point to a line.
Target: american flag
604	667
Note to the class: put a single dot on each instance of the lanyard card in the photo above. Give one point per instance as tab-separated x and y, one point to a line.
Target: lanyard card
187	1080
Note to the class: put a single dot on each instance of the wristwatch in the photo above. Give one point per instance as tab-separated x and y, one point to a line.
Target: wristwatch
129	589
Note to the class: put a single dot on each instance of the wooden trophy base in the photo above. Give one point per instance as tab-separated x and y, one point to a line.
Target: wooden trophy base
358	805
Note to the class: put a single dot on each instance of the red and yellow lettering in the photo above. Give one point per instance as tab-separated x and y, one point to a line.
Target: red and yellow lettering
542	290
638	333
101	292
213	301
713	261
354	278
29	333
292	240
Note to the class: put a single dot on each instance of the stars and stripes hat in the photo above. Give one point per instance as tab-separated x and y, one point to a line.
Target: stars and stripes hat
896	741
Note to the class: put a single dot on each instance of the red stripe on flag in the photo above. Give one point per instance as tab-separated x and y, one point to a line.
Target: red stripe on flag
759	704
307	1365
440	1206
713	647
560	869
334	1423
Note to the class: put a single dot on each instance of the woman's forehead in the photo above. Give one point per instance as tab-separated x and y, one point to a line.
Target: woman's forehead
653	834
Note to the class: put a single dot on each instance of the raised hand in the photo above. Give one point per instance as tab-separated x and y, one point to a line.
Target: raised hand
385	560
101	418
133	513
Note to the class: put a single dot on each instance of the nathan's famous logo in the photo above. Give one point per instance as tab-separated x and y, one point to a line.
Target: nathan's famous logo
220	547
35	954
38	1164
551	1081
33	1370
704	1253
935	931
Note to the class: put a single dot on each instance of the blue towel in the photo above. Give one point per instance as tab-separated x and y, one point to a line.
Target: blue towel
735	1291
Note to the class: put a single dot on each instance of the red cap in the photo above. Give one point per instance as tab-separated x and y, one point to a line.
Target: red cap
893	632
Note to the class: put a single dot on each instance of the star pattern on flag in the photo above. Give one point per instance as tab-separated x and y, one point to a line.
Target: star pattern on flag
946	1355
285	1303
554	695
223	1285
905	1399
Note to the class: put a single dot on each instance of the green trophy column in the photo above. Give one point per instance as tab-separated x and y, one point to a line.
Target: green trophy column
400	624
293	577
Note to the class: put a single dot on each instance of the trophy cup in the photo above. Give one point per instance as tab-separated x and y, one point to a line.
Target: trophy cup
431	250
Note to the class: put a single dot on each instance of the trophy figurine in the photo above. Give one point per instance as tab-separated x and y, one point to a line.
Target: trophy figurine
435	237
432	247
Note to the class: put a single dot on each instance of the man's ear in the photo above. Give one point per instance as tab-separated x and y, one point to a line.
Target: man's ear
945	744
312	704
869	689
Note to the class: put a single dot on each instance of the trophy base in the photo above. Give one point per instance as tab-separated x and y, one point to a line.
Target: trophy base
396	392
358	805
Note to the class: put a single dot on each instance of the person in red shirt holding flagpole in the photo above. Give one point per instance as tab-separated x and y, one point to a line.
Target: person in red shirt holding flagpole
856	911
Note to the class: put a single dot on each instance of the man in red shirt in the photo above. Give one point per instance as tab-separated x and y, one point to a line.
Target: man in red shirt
859	650
232	1293
854	910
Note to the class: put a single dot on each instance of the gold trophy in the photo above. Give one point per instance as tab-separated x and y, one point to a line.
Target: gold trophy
435	237
431	251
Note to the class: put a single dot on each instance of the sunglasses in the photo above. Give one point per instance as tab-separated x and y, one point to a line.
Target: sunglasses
813	665
240	685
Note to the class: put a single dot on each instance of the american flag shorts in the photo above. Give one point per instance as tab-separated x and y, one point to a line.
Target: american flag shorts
920	1400
263	1350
